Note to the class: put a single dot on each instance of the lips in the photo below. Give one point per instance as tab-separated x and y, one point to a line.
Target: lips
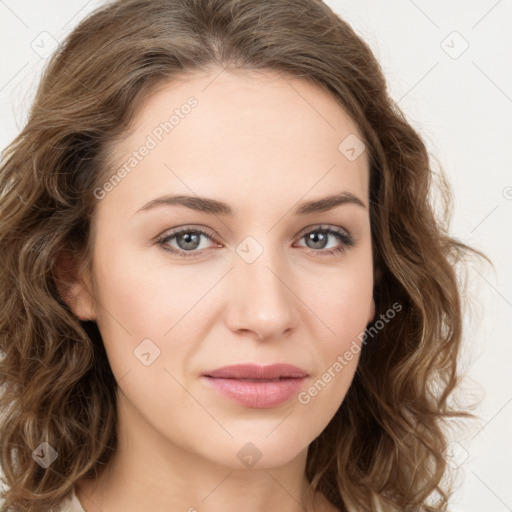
258	387
252	371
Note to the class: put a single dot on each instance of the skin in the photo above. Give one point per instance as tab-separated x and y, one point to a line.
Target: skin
261	143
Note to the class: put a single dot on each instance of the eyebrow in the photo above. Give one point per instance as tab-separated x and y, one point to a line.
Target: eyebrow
215	207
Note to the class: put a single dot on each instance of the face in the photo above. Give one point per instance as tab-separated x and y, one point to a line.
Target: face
185	288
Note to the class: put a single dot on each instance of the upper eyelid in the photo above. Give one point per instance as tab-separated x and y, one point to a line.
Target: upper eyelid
210	233
176	231
318	227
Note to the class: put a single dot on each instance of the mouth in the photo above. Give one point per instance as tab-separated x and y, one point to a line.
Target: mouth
255	380
255	372
257	387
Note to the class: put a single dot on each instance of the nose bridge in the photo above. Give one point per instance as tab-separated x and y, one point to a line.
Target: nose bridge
262	301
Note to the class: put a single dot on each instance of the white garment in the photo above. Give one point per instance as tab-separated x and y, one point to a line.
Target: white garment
70	504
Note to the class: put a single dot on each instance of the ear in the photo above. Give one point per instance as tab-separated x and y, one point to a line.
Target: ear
377	273
76	290
371	314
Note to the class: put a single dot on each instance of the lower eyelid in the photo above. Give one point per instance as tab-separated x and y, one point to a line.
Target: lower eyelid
343	238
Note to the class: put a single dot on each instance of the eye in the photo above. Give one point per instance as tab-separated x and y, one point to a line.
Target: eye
188	241
318	239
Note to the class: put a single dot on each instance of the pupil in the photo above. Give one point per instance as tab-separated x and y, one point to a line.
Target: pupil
315	237
318	238
191	240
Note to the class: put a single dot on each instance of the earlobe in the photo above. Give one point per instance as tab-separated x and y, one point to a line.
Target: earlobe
80	301
371	315
75	290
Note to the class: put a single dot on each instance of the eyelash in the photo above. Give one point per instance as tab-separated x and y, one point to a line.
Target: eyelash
345	238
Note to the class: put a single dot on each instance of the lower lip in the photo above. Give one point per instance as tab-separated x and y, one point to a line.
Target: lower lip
257	395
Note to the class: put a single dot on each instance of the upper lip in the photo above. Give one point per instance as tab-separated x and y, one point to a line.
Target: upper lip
254	371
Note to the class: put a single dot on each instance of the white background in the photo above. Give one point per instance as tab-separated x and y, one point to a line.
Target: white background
461	102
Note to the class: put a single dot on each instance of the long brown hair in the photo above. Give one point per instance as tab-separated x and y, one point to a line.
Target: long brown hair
384	447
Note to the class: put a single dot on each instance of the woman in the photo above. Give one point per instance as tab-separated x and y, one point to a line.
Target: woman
224	285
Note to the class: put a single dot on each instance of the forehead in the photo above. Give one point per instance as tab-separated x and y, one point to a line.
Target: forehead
249	137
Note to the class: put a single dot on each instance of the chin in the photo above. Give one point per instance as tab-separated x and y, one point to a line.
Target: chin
259	450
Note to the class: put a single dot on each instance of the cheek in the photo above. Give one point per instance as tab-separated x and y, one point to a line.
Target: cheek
137	293
145	308
131	305
344	310
343	305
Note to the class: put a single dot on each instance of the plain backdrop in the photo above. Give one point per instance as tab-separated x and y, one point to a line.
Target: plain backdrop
449	67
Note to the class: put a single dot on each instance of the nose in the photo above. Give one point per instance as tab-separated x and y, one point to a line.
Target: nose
263	302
